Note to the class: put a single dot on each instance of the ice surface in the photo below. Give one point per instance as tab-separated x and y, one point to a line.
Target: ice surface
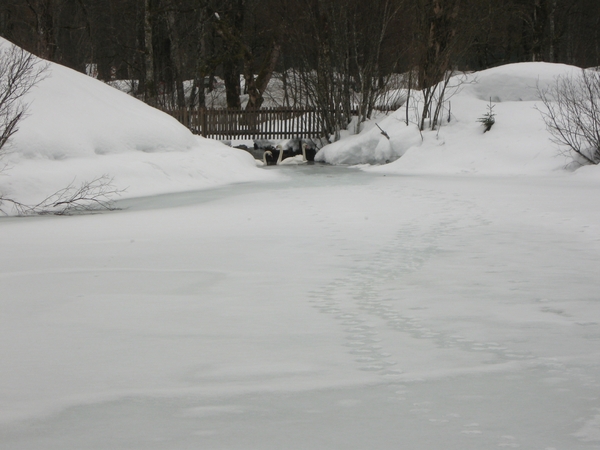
337	309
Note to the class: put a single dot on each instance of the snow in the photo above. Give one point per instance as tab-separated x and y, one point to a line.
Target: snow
334	309
518	143
79	129
448	299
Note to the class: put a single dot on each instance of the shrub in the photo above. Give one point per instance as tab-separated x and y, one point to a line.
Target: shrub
572	114
489	118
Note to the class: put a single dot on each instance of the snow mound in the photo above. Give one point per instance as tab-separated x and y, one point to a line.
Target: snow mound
371	146
515	82
78	129
518	143
73	115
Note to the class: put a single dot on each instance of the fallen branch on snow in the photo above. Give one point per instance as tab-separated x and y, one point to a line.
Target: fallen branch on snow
91	196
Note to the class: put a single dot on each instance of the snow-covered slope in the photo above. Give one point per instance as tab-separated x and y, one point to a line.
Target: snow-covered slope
517	144
78	128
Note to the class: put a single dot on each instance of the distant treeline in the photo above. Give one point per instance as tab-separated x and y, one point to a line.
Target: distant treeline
327	47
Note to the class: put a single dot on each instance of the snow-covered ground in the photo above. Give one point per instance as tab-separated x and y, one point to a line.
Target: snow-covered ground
517	144
78	129
447	300
336	309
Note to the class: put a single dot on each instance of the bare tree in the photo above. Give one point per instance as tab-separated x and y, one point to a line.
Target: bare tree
436	50
369	53
19	72
341	55
572	114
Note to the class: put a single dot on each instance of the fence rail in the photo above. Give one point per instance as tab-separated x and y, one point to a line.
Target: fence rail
264	123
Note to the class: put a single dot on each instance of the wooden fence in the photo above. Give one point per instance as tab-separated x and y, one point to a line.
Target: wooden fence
264	123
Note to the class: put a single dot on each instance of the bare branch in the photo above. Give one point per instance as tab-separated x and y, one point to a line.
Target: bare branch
19	72
91	196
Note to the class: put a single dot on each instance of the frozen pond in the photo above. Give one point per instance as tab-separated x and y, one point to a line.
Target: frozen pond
334	310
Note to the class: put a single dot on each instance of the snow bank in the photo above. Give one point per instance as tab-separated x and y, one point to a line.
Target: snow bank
371	146
515	82
79	128
517	144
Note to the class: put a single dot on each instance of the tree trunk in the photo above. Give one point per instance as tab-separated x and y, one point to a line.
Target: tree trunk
176	58
256	87
231	77
552	30
44	12
229	27
150	80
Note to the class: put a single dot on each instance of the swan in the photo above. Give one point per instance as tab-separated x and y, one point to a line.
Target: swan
267	158
294	160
